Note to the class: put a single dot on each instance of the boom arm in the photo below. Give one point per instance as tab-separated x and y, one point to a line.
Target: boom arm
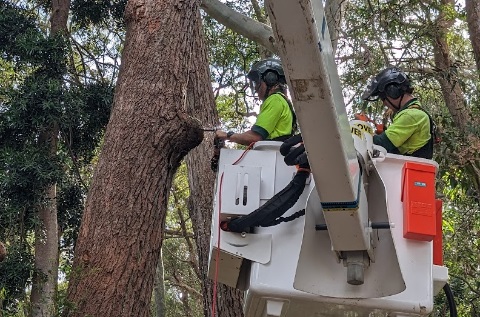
306	53
307	58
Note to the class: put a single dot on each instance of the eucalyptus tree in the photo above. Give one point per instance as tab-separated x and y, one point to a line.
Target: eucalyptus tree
472	9
49	124
40	92
149	132
46	232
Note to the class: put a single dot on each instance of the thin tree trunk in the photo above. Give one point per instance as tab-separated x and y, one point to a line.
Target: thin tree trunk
262	17
454	98
201	180
44	282
149	133
334	10
187	310
449	82
159	288
473	19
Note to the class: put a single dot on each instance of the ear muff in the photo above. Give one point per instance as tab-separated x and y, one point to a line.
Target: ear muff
393	91
270	78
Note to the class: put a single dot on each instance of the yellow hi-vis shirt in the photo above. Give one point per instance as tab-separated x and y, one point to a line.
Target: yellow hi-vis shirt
409	131
275	118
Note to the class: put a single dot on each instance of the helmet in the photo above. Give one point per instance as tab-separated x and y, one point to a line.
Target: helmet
268	70
391	82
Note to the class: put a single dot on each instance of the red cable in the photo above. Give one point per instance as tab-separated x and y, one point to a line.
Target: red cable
243	154
217	256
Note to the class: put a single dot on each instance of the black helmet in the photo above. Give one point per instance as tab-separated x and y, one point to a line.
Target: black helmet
268	70
390	82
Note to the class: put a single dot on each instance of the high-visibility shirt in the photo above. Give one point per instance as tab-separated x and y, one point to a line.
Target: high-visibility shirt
409	131
275	118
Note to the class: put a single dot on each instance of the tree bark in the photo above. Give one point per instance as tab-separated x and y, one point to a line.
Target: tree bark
44	282
334	10
262	18
473	19
42	297
201	181
447	75
149	133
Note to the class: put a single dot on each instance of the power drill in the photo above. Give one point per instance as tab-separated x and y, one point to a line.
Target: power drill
217	145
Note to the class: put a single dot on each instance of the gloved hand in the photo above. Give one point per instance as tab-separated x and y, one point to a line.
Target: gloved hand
379	128
217	145
294	152
362	116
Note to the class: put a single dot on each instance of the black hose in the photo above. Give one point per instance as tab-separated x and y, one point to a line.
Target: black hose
268	214
375	225
451	300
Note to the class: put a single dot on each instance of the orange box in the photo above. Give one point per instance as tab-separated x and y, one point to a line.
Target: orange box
418	197
438	240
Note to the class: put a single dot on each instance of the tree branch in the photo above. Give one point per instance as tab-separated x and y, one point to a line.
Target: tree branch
243	25
176	283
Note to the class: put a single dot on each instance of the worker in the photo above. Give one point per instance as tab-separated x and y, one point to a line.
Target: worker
412	131
276	120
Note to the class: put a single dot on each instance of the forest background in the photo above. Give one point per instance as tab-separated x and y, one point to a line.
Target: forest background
124	88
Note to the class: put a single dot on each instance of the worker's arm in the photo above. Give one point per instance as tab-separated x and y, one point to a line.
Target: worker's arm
270	113
245	138
383	140
398	132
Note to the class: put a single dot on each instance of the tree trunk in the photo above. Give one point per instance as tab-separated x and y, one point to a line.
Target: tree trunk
44	282
449	82
473	19
149	133
159	289
334	14
42	297
262	17
201	179
454	97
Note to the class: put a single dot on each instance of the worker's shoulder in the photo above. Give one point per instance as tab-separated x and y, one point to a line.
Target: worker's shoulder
413	111
415	108
276	97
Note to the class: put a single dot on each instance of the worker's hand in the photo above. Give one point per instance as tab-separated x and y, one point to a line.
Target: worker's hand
222	135
379	128
362	116
217	145
294	152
